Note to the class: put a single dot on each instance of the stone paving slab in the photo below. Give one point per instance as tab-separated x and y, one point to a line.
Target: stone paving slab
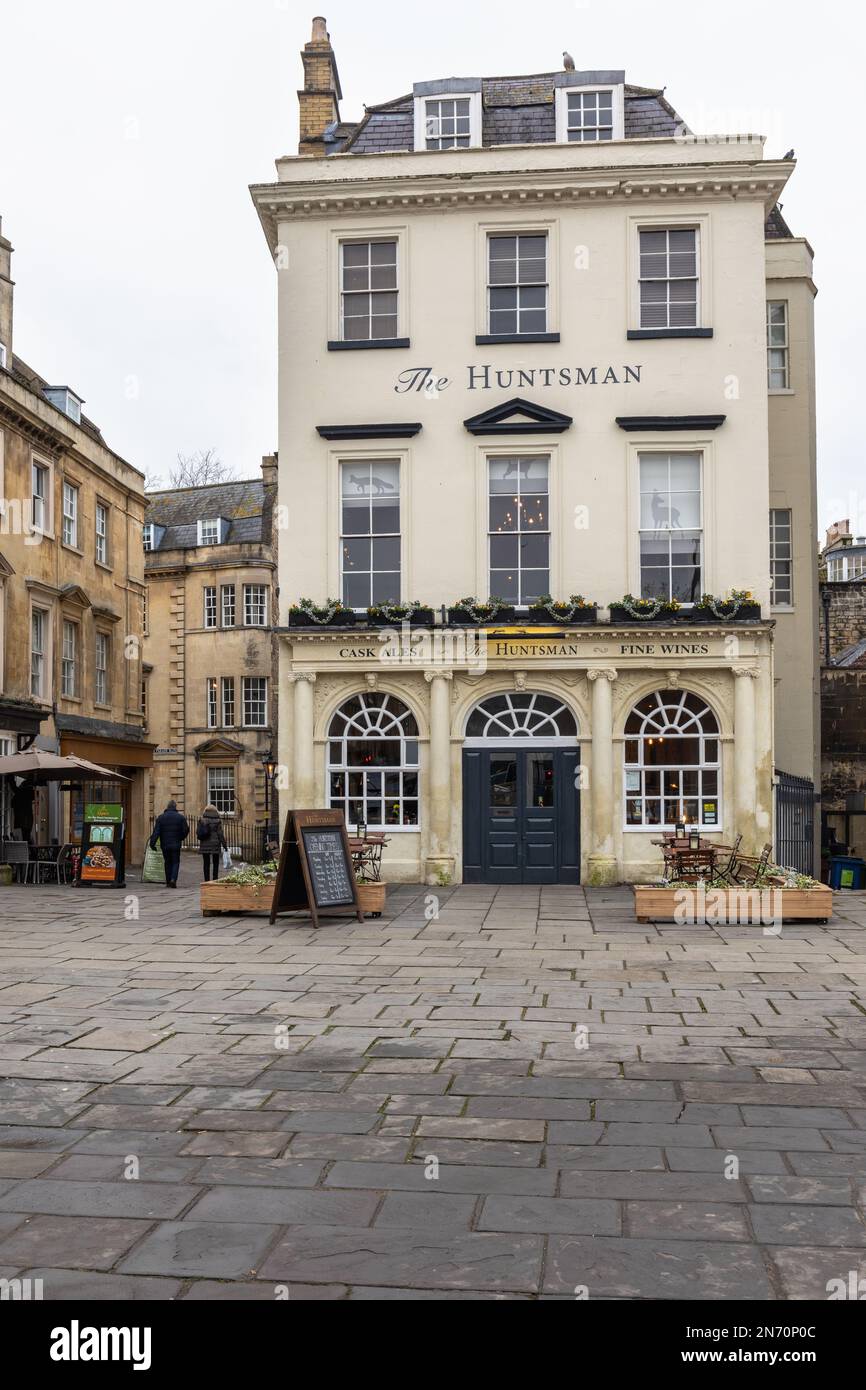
407	1109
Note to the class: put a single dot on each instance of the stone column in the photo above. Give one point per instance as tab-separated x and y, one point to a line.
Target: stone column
603	867
745	755
303	749
440	860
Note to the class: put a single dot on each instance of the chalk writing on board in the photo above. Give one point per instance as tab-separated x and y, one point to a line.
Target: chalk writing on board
329	869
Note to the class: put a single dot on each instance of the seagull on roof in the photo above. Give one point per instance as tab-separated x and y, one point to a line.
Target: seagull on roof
568	61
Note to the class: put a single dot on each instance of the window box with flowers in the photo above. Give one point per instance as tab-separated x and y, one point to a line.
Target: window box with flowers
332	613
395	614
631	610
472	612
576	611
738	607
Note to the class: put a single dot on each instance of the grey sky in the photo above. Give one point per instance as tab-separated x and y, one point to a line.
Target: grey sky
132	129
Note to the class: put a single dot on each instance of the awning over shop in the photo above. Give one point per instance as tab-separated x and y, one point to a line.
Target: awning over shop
121	745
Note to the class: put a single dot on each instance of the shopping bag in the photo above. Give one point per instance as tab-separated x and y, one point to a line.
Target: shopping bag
227	860
154	866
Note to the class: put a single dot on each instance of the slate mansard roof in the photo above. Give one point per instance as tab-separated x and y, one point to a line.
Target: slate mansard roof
247	507
516	111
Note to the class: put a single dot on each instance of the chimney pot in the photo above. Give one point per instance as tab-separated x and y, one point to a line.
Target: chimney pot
320	30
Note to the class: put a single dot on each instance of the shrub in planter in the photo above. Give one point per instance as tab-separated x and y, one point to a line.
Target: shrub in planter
576	611
649	610
739	606
471	612
332	613
395	614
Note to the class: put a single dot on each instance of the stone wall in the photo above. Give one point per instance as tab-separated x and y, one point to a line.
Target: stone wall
847	608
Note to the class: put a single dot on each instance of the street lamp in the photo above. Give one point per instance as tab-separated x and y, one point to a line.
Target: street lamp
270	767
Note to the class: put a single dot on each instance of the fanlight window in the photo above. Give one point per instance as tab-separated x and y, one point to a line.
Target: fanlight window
672	763
522	716
373	762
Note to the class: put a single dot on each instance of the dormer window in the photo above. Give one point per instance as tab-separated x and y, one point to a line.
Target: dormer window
147	538
65	400
586	112
210	532
448	118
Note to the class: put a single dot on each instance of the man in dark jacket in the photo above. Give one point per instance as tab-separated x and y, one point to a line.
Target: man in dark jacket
171	830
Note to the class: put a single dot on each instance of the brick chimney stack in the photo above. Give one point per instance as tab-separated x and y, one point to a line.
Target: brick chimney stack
6	291
320	99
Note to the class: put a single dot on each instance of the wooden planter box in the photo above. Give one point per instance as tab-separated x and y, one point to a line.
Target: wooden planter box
371	898
237	899
746	906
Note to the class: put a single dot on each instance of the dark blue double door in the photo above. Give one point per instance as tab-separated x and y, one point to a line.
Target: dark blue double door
521	815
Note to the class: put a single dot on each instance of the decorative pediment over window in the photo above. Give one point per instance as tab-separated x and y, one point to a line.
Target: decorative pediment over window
6	570
218	748
74	594
518	416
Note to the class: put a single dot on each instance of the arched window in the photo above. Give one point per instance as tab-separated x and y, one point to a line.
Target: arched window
373	757
521	716
672	763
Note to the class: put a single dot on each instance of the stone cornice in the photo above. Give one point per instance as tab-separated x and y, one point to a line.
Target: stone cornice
542	189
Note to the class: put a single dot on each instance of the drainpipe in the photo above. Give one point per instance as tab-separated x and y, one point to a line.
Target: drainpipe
827	600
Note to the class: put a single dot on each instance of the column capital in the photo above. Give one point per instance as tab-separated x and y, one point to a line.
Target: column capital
601	673
431	676
303	677
747	672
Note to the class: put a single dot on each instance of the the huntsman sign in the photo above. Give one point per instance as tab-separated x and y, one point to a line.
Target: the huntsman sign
484	378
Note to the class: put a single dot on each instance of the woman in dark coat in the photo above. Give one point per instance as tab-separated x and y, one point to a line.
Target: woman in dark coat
211	841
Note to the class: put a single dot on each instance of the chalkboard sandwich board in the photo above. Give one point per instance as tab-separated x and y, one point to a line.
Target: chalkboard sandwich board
316	873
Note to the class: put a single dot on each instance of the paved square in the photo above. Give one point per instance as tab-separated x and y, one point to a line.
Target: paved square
491	1093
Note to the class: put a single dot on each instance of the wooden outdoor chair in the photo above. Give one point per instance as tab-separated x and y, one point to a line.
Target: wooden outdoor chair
750	871
728	870
690	865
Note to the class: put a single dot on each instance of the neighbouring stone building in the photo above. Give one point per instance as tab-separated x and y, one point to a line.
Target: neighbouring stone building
209	684
843	687
538	338
71	595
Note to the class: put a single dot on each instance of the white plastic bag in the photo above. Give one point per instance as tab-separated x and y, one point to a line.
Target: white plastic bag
227	860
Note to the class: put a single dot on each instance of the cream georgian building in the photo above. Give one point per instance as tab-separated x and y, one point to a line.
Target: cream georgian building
537	338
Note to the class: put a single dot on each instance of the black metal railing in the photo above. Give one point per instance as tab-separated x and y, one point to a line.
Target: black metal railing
795	823
247	842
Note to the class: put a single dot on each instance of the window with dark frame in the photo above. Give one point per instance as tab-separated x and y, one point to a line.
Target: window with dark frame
671	526
519	527
370	540
669	278
517	284
368	291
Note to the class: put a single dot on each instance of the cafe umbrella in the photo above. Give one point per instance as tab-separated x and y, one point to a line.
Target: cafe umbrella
51	767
